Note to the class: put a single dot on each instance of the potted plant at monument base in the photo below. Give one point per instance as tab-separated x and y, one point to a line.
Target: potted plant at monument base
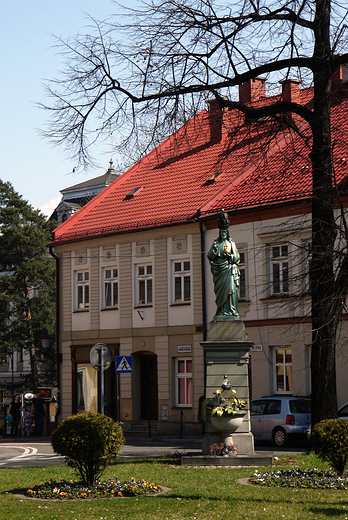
226	413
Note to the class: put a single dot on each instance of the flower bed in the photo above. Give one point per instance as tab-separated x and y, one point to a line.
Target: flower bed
298	478
73	489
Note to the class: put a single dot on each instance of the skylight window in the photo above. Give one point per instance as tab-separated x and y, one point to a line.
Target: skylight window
213	178
133	192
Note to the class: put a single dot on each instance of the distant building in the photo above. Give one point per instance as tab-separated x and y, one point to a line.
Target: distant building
78	195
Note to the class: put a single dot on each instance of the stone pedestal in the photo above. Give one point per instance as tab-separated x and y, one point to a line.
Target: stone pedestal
227	352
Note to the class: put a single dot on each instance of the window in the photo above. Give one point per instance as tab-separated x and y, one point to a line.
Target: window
242	281
82	290
307	250
183	376
110	287
283	370
272	407
144	284
257	407
279	269
182	281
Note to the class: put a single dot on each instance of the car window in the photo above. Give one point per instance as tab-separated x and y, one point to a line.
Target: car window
300	406
273	407
343	412
257	407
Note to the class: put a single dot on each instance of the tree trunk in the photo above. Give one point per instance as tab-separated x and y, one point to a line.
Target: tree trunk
324	310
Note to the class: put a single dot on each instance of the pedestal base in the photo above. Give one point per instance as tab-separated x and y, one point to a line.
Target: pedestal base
227	353
259	459
244	442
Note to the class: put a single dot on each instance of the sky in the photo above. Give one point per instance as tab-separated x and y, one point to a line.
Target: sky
35	168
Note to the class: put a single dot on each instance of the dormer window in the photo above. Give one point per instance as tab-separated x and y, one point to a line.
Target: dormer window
213	178
133	192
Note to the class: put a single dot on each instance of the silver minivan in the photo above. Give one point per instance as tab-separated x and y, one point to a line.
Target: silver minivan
280	419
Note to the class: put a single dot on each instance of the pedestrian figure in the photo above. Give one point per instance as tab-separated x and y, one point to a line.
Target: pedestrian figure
39	409
15	410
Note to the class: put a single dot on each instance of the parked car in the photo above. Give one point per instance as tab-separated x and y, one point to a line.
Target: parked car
343	412
280	419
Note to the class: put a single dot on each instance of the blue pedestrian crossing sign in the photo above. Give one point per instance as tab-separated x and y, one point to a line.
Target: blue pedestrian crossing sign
123	364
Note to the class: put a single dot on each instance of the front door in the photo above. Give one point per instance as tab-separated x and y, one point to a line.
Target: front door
148	387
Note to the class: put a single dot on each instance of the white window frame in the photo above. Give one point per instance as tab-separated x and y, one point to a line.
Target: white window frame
282	369
279	269
110	283
307	259
183	383
144	284
82	290
181	276
242	269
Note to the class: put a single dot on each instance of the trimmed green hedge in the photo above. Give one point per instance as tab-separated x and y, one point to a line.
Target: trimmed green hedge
330	441
89	441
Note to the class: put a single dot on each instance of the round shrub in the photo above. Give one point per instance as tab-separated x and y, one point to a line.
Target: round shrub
330	441
89	441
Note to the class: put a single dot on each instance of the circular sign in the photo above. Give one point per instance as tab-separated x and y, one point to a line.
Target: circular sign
29	395
100	356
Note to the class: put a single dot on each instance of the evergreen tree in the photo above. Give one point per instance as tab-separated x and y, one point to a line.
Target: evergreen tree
27	282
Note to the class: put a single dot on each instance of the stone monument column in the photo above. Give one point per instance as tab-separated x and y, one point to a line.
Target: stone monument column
227	347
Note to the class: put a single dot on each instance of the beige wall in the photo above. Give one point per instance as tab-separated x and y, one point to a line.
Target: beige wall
158	329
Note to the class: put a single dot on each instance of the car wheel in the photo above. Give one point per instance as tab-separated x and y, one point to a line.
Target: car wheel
279	437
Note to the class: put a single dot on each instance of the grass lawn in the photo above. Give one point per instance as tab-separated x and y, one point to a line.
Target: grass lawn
196	494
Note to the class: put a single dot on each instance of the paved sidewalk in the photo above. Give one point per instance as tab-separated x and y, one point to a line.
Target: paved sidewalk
37	451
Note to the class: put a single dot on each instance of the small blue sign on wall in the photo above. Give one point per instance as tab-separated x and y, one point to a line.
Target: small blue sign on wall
123	364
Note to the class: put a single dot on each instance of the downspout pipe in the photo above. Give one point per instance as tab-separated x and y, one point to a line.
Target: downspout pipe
203	264
58	354
204	310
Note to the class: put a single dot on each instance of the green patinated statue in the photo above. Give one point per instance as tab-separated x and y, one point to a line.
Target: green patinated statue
224	259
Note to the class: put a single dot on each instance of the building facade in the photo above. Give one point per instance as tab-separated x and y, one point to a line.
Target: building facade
134	274
140	295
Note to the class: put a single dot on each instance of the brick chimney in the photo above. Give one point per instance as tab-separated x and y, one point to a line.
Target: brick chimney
291	90
215	120
340	76
252	90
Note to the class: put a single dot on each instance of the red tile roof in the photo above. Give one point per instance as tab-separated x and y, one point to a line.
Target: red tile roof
174	176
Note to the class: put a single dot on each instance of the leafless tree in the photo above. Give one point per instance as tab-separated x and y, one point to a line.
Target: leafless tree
159	63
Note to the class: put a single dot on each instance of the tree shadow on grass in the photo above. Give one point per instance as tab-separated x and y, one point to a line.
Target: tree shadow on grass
328	511
15	491
153	460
